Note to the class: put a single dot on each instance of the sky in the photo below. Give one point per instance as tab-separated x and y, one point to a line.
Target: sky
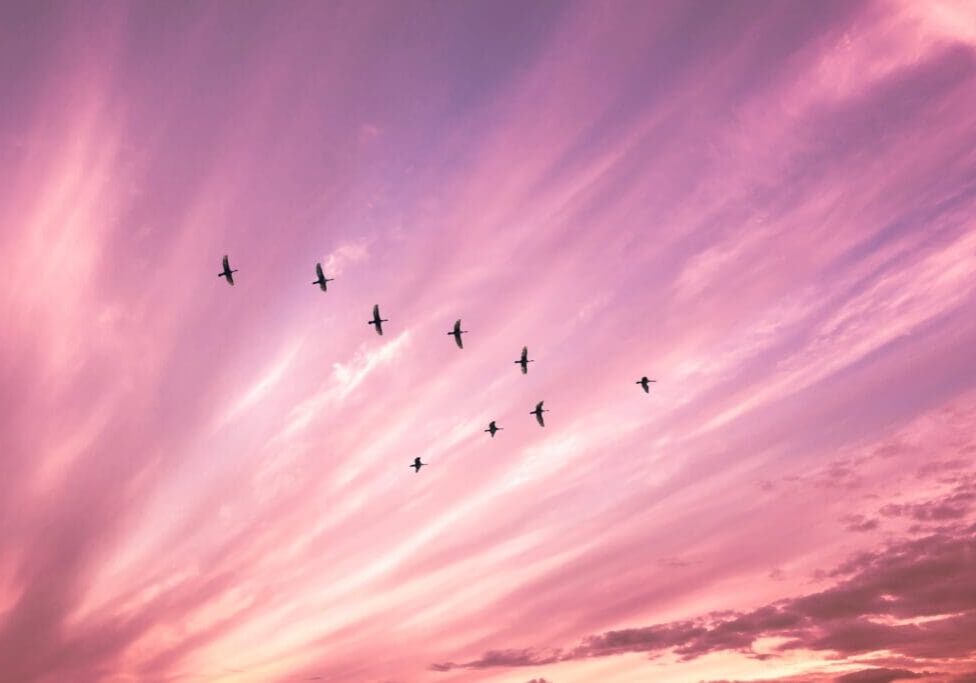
767	207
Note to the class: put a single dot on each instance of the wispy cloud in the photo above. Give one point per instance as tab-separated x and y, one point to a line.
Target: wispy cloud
767	207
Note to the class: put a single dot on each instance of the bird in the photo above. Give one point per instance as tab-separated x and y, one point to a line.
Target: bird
524	361
323	280
457	332
538	413
377	320
643	381
417	464
492	429
228	273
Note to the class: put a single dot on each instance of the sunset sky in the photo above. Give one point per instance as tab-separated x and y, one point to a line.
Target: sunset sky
769	208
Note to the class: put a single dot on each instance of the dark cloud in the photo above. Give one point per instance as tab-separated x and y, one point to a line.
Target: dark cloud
505	658
950	508
879	676
941	467
916	599
859	523
839	475
875	675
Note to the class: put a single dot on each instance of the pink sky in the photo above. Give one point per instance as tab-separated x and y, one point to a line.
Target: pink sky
768	207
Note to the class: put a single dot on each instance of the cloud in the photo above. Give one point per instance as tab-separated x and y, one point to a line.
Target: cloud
505	658
589	182
873	675
343	256
953	507
912	598
879	676
859	523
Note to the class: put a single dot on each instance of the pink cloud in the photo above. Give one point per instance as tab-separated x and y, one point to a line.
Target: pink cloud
767	208
925	581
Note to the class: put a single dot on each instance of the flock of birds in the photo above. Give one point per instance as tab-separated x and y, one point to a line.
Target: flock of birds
377	322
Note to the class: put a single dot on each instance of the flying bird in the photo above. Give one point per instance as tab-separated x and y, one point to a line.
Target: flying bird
643	381
457	332
417	464
228	273
377	320
323	280
492	428
538	413
524	360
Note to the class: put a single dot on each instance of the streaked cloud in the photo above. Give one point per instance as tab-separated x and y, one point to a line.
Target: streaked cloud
767	207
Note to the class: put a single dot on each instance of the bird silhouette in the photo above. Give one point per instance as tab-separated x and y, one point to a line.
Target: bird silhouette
417	464
322	280
457	332
643	381
377	321
492	428
228	273
524	360
538	413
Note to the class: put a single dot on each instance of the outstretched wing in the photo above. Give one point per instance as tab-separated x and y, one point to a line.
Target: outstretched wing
226	264
377	321
538	416
525	354
457	338
230	277
318	271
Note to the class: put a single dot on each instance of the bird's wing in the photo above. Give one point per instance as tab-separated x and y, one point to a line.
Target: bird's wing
379	327
230	277
538	406
457	338
538	416
318	271
376	311
525	353
457	326
525	368
226	263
